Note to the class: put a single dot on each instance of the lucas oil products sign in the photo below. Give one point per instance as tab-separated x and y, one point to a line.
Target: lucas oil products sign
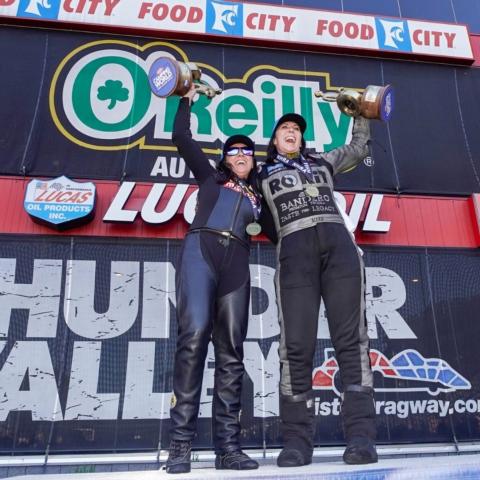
88	333
88	111
60	202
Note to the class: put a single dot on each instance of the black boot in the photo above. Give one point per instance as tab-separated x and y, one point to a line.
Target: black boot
297	427
358	412
234	460
292	457
359	451
179	456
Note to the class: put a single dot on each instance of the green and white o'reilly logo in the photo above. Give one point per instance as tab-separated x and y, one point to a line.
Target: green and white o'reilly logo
100	98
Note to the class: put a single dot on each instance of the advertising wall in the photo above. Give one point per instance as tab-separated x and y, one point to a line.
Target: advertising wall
87	317
80	105
88	335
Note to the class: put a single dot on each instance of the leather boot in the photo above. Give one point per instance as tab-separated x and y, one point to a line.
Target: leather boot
235	460
359	451
358	412
179	456
297	428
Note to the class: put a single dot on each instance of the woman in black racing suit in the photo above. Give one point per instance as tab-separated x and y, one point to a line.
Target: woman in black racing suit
317	258
213	292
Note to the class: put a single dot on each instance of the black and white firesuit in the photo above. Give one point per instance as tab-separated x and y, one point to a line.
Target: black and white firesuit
213	292
317	258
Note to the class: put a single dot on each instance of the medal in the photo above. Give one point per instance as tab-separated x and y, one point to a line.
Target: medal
253	228
312	191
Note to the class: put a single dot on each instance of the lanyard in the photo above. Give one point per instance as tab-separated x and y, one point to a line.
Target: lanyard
247	191
302	166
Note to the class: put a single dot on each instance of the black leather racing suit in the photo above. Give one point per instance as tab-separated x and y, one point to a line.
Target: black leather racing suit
213	292
317	257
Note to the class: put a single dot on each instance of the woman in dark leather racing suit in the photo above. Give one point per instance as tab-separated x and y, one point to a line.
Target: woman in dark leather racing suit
213	292
317	258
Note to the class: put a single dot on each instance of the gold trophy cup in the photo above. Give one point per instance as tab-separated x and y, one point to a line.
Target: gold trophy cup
171	77
374	102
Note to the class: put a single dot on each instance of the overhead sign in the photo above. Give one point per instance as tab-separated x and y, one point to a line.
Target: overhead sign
61	202
250	21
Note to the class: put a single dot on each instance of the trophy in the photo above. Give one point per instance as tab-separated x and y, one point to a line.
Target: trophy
375	102
171	77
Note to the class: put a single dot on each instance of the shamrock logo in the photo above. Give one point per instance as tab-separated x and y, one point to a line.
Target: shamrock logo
114	91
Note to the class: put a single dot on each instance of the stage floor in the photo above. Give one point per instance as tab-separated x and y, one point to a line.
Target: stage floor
426	467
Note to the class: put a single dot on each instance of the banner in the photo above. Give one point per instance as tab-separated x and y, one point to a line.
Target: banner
88	332
243	22
80	105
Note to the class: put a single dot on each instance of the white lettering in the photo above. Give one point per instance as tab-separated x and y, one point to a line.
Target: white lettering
84	402
79	311
385	294
265	375
41	297
139	399
27	382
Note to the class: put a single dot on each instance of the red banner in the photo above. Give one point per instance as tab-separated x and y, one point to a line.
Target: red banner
157	210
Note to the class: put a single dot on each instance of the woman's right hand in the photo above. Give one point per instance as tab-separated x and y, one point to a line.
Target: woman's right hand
191	93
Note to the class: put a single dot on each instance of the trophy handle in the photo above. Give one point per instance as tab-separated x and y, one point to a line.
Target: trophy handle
207	90
348	100
327	96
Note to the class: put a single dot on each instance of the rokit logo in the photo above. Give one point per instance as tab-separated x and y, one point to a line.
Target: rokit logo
47	9
393	35
224	17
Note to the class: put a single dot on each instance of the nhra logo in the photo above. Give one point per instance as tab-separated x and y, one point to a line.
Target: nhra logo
393	35
47	9
431	375
224	17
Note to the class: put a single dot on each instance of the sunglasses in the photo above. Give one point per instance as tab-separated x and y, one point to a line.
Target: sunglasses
236	150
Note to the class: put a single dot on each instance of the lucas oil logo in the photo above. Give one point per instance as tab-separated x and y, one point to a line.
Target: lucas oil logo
60	203
393	35
39	9
224	17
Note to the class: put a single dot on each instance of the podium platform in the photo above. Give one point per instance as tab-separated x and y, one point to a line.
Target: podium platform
395	463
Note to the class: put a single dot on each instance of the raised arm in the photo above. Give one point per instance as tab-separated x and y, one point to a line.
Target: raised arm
187	147
348	156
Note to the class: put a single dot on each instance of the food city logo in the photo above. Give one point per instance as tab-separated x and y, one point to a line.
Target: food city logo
409	367
40	9
100	99
393	35
224	17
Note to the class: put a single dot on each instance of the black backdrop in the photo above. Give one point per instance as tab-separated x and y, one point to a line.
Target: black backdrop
423	301
430	146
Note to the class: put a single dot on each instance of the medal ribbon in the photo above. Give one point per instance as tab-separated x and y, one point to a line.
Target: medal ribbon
302	165
248	192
